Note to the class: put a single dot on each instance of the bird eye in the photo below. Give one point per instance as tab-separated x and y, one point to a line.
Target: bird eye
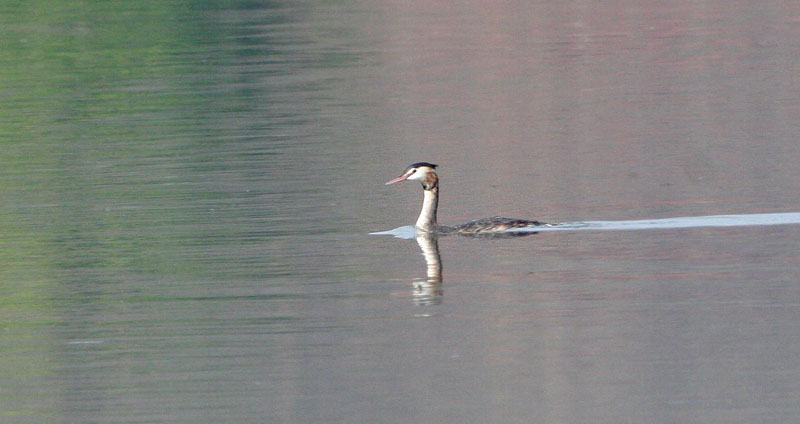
413	171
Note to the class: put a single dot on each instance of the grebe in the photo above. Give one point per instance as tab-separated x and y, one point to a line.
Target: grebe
425	173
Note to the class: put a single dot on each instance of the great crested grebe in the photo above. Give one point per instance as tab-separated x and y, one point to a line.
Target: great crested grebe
425	173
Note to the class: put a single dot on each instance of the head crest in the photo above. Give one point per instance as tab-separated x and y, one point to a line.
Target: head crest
418	164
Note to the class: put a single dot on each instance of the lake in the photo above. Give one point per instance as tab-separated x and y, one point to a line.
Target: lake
189	192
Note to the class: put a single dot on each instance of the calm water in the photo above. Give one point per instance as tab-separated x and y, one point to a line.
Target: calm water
189	188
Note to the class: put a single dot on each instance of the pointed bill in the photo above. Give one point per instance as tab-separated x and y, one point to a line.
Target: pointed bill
398	179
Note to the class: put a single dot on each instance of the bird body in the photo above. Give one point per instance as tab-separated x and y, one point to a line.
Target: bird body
425	173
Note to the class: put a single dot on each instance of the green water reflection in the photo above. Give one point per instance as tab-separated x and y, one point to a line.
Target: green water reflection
130	153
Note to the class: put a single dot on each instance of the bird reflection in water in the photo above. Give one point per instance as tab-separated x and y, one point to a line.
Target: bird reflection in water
428	290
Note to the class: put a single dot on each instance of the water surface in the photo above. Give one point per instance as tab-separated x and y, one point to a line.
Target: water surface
189	188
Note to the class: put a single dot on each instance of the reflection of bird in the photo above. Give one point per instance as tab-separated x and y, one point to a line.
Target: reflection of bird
424	172
429	291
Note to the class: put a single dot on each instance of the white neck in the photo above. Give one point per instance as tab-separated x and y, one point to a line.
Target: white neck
427	216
